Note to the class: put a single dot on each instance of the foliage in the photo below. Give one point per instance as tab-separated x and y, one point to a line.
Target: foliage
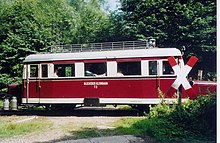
176	23
1	104
30	26
116	29
193	120
92	20
6	80
128	126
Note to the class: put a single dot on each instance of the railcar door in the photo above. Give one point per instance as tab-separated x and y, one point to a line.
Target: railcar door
154	74
33	84
25	84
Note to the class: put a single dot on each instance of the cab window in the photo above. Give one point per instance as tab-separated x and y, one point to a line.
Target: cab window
129	68
95	69
33	70
44	70
167	69
152	67
64	70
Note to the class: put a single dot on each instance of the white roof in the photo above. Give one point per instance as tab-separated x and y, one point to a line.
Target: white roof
137	53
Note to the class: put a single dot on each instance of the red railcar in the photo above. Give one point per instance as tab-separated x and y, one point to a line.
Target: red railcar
130	73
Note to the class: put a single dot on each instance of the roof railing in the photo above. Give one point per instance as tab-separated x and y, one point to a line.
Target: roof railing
107	46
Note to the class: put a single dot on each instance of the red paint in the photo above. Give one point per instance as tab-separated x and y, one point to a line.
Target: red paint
104	60
172	61
115	88
95	61
64	62
171	92
201	88
99	60
12	88
204	87
128	59
190	92
192	61
158	58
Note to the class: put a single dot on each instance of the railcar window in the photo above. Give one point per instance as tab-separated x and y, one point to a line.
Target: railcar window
95	69
33	70
44	69
67	70
129	68
152	67
167	69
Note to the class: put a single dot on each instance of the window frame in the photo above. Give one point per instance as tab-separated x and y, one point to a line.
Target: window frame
41	72
139	61
95	74
149	72
63	67
164	74
29	71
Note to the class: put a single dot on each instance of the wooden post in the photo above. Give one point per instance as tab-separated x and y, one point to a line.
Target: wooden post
180	87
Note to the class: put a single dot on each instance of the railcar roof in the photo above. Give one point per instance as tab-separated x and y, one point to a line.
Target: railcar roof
137	53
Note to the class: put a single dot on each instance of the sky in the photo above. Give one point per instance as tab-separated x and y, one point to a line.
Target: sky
113	4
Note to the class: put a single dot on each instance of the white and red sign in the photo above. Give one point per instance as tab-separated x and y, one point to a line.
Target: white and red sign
181	73
95	84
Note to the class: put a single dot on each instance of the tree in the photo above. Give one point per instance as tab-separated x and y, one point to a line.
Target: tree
28	26
31	26
175	23
92	19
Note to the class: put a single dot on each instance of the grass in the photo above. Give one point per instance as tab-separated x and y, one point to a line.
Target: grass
125	126
124	107
87	130
156	128
1	104
8	129
80	130
193	121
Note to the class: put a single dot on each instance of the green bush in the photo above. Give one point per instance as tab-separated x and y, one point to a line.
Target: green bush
5	80
193	120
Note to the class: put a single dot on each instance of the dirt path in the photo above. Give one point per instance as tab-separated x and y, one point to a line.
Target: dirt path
63	128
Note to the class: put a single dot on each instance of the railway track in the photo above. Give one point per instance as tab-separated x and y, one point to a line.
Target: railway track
81	112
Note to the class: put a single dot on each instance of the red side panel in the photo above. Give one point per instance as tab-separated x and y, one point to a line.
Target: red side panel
100	88
203	88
